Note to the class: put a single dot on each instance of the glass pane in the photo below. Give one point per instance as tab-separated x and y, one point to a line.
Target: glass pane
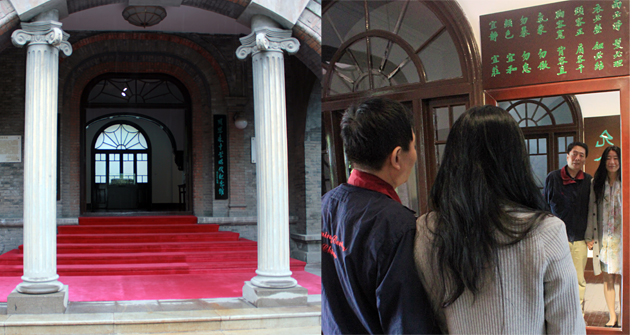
138	143
440	153
105	142
562	145
383	15
516	117
403	73
352	67
419	24
539	167
341	83
346	18
552	102
391	63
521	111
112	128
545	121
457	111
563	114
142	171
562	160
504	104
158	91
442	123
114	167
100	168
127	167
440	59
533	146
542	145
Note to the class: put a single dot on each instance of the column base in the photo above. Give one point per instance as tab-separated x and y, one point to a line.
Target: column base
51	303
274	297
30	287
273	281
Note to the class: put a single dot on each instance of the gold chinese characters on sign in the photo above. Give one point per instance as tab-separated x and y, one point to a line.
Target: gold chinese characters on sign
563	41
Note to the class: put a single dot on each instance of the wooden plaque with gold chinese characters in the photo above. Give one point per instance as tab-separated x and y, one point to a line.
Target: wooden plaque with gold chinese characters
562	41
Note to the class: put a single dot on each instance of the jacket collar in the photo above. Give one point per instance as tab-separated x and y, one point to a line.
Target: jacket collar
374	183
566	177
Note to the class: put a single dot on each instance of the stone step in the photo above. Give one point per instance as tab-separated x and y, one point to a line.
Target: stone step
145	238
138	229
137	220
262	331
230	316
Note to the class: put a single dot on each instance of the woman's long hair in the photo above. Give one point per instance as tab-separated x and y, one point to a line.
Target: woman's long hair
602	174
485	177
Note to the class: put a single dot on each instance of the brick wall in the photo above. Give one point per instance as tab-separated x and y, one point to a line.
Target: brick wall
11	238
12	84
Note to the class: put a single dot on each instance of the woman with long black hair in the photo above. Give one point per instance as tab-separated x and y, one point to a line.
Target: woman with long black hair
490	255
604	228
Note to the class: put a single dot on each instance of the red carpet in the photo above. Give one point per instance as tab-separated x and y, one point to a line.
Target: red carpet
150	258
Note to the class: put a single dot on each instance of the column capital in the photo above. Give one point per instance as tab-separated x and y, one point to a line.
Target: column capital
42	32
267	39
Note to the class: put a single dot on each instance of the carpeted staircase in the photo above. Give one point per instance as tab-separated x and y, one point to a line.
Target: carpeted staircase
146	245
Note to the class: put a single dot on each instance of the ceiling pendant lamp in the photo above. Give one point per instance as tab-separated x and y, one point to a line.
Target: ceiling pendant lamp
144	16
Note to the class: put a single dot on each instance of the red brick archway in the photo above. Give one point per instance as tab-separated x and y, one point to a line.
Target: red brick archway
72	118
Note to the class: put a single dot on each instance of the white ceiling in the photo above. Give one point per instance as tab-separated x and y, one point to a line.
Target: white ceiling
179	19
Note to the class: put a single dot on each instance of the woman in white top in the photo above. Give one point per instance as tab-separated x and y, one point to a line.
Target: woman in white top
604	230
491	257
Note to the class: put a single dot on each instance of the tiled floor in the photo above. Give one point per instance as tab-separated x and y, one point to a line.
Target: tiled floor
595	307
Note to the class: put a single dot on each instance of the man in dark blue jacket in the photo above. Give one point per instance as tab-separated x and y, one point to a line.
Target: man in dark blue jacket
369	279
567	193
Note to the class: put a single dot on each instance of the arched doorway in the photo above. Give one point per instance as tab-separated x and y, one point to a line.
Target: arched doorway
120	162
137	144
421	53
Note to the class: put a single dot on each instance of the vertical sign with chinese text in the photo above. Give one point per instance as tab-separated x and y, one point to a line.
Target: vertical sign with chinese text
562	41
221	187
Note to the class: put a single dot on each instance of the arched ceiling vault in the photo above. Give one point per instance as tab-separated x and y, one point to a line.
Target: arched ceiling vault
192	16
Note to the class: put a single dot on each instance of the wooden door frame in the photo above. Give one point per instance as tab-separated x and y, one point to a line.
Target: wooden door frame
622	85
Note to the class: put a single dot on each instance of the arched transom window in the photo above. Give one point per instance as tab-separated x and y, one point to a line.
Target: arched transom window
121	156
135	91
549	111
374	44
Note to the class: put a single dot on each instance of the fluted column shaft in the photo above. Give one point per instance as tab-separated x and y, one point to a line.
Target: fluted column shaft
266	44
44	38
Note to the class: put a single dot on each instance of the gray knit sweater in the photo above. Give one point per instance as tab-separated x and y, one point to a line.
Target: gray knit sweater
539	293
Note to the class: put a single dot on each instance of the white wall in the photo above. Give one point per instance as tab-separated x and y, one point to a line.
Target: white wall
599	104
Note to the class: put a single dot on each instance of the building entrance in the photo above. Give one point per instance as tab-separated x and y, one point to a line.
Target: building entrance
136	145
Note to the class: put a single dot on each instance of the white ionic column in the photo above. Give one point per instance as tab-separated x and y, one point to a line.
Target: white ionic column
44	38
266	44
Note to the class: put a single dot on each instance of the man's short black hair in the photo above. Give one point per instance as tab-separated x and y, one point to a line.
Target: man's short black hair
373	129
580	144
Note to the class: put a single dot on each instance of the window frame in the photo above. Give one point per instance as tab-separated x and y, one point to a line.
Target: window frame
467	87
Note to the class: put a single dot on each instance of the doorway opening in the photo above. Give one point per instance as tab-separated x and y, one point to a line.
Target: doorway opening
136	145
